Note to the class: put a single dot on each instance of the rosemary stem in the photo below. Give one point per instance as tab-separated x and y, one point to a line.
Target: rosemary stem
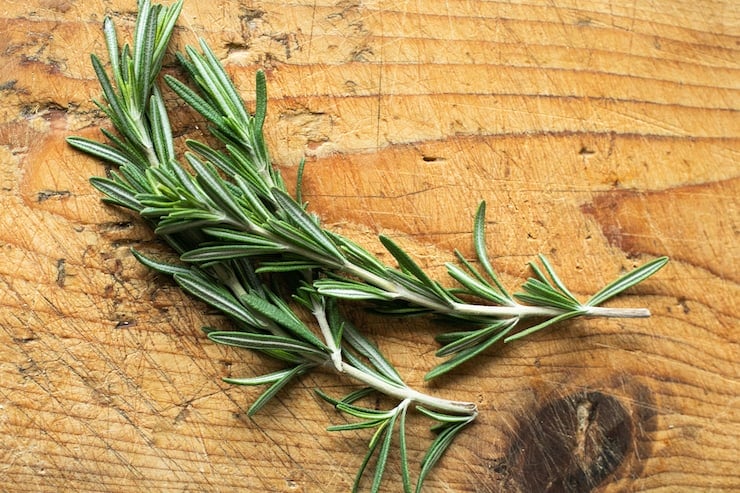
319	312
392	287
495	311
527	311
406	393
598	311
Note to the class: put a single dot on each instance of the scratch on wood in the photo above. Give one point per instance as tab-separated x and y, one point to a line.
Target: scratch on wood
24	340
125	323
586	152
61	272
44	195
8	85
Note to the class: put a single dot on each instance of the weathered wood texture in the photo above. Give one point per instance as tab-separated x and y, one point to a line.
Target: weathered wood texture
600	133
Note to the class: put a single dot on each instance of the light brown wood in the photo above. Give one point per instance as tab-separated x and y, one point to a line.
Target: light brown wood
602	134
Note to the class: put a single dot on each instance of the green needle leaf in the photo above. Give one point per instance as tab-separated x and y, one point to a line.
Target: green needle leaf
405	474
102	151
464	355
361	471
284	318
442	417
122	120
383	454
276	387
265	379
357	425
479	242
162	267
358	394
227	252
351	290
193	100
262	342
556	280
363	412
216	296
160	128
547	323
436	450
469	339
116	193
143	66
407	265
111	41
306	224
221	85
213	185
261	104
475	286
627	281
281	265
537	292
368	350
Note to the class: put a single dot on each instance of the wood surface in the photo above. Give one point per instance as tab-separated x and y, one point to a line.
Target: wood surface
602	134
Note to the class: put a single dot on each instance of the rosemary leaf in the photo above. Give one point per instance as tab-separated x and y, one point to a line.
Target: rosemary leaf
470	339
116	194
283	317
368	350
466	352
403	451
266	342
627	281
298	216
361	471
546	323
357	425
556	280
217	296
475	286
267	378
101	151
437	449
383	454
479	242
276	387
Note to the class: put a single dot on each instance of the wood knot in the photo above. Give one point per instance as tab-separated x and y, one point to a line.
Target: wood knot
571	444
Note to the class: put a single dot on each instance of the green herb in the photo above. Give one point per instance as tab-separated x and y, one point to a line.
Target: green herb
203	217
227	212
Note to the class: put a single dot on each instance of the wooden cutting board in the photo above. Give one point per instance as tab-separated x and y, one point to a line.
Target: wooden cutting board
599	134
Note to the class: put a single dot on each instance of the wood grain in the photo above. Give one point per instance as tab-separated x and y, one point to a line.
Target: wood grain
602	134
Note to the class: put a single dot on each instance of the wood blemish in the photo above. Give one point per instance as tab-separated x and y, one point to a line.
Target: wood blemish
570	444
44	195
61	272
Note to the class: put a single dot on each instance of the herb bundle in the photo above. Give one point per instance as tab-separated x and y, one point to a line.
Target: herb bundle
254	252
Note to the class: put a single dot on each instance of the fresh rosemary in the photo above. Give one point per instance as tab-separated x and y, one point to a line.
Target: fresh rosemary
242	239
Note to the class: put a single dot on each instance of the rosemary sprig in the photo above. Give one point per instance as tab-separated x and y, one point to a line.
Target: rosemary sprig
269	325
229	216
185	208
243	209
